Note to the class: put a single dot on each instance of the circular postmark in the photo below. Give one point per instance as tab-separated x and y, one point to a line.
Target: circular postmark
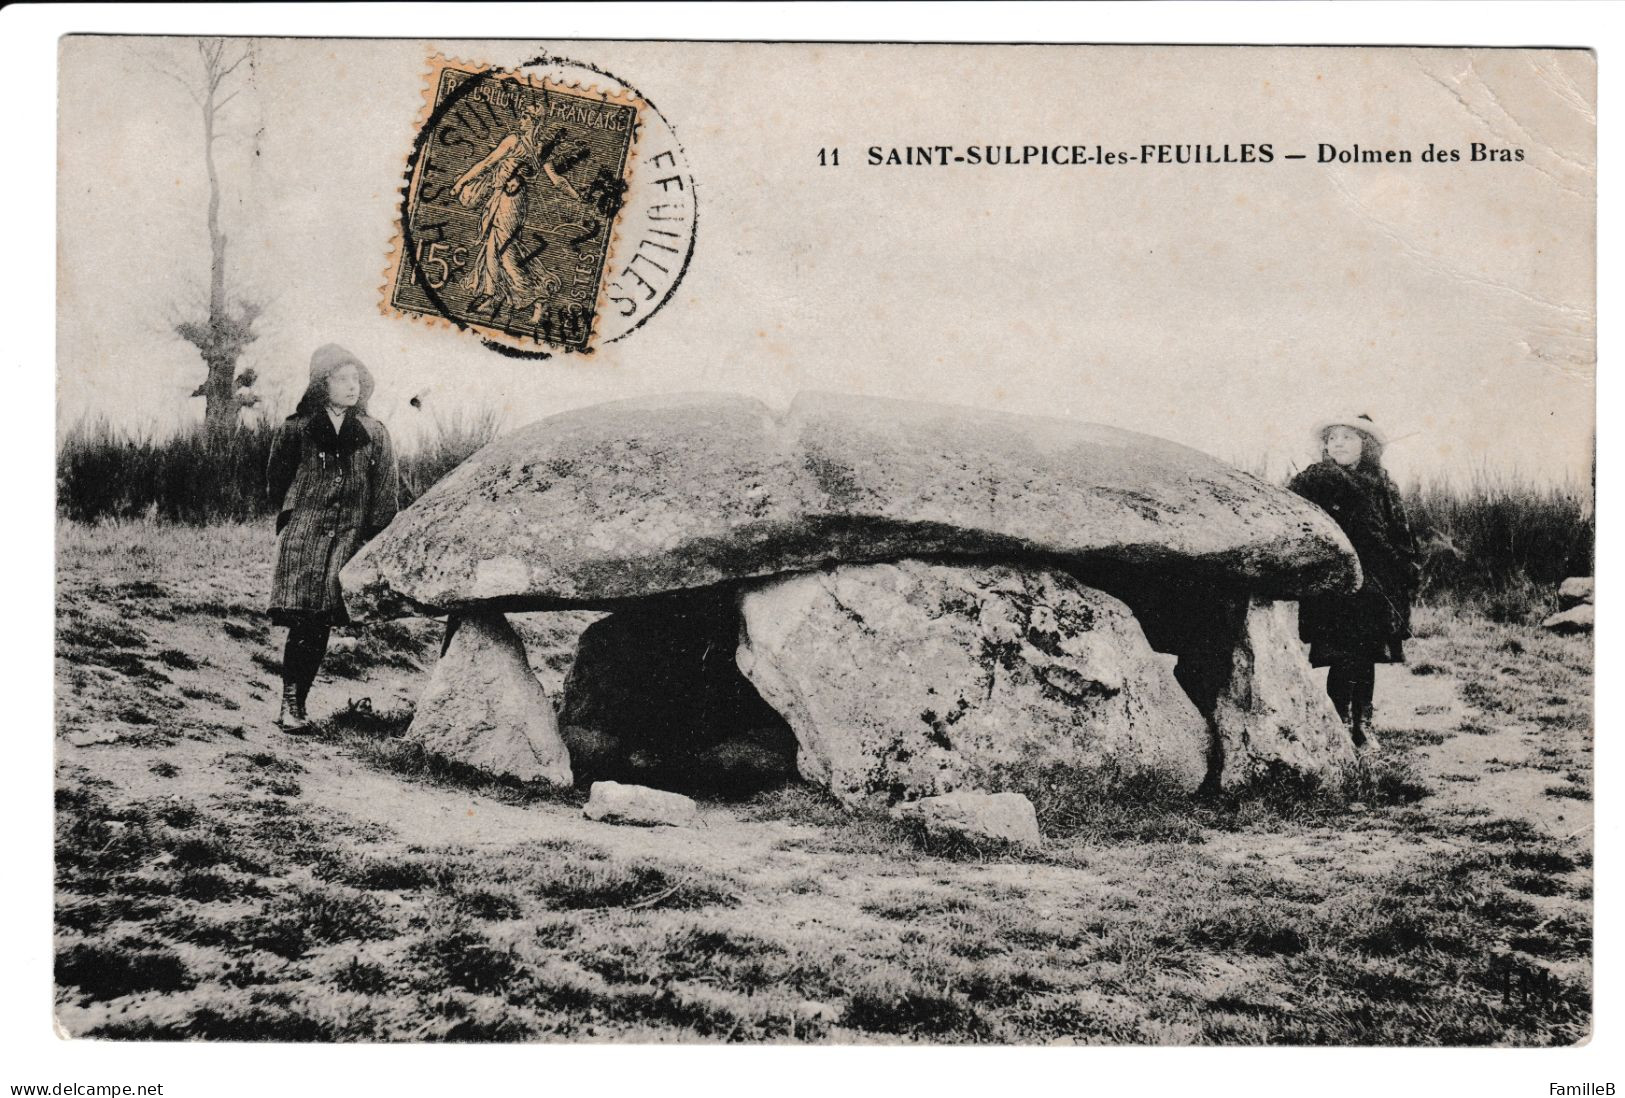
545	208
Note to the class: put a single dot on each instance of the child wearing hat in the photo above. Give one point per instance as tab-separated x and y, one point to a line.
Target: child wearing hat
1349	634
333	478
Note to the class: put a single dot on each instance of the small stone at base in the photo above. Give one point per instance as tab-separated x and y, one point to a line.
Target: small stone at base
975	816
614	802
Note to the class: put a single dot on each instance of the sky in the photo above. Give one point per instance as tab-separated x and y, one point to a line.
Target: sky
1229	307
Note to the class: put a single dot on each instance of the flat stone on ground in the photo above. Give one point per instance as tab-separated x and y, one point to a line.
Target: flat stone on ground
1576	619
613	802
976	817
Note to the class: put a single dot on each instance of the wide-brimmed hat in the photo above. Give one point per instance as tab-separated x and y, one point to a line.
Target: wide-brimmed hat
1359	421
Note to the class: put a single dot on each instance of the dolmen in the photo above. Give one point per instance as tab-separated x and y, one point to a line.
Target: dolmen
896	600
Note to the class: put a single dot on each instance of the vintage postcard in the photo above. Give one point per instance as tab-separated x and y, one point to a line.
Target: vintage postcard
809	543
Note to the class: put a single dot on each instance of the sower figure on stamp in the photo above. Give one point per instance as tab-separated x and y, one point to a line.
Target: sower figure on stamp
333	477
500	183
1349	634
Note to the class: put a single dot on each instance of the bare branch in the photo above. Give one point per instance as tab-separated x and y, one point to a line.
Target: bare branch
231	67
221	105
209	50
151	64
231	133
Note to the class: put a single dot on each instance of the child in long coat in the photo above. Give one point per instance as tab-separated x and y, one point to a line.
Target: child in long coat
333	477
1350	633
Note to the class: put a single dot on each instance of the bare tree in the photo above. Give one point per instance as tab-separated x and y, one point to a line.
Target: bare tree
220	337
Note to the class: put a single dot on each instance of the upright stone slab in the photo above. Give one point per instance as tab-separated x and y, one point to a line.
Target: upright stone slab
1271	711
483	707
915	679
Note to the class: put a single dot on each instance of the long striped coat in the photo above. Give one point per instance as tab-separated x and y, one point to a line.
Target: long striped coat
335	490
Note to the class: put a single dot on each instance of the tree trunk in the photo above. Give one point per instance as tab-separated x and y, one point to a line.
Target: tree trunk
219	403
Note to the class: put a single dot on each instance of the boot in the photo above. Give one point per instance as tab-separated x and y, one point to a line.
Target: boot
1361	724
1356	723
292	717
1364	728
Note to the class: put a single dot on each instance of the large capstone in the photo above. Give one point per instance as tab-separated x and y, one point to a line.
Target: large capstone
914	679
654	696
625	500
485	709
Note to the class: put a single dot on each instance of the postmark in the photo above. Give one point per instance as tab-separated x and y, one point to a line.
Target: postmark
544	209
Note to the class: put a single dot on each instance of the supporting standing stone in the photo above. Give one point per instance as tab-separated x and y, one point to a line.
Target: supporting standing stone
1271	711
483	707
914	679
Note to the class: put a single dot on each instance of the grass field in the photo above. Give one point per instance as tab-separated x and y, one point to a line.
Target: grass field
219	880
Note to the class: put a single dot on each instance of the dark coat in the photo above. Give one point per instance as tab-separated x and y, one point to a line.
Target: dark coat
334	490
1372	623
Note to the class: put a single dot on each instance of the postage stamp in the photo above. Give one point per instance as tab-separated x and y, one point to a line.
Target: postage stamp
515	188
